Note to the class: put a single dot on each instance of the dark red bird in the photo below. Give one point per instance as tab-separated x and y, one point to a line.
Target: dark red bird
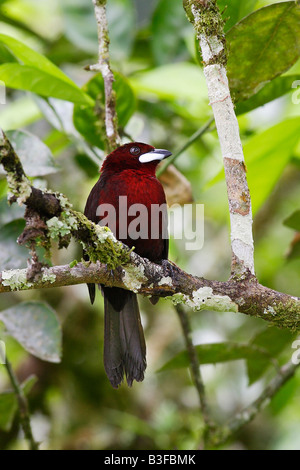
127	198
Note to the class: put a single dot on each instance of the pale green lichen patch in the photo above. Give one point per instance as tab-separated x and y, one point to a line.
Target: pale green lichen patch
166	281
134	277
205	299
16	279
270	310
20	188
47	276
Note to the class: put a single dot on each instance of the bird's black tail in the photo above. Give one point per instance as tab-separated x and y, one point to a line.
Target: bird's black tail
124	342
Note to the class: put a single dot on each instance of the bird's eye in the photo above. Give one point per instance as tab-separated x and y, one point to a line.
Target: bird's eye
135	151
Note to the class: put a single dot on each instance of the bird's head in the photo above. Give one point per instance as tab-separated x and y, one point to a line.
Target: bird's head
135	156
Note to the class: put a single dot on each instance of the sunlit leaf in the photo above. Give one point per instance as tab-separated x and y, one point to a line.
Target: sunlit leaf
266	156
25	77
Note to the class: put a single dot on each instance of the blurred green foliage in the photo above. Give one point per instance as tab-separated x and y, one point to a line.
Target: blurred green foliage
161	99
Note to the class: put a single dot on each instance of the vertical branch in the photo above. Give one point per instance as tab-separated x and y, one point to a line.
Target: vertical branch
195	371
208	24
23	407
103	66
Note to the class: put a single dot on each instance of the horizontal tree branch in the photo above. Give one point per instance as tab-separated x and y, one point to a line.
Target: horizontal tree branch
241	293
141	276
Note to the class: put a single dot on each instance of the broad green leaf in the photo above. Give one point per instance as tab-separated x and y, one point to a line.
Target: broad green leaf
266	156
8	408
273	90
25	77
293	221
272	340
168	32
235	10
263	46
13	256
215	353
89	120
34	59
6	55
35	326
35	156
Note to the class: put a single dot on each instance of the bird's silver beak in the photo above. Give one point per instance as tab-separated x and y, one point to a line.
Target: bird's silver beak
155	154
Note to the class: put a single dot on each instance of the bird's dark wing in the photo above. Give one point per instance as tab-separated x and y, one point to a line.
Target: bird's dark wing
90	212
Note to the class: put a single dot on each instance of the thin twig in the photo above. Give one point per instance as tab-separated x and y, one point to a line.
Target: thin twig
103	66
195	369
23	407
226	432
199	133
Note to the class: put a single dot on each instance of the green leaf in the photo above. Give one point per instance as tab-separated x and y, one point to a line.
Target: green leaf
235	10
25	77
293	221
89	120
28	383
266	156
272	340
215	353
35	326
273	90
8	408
168	32
34	59
13	256
35	156
263	46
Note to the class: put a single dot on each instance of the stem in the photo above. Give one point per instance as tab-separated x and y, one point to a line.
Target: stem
103	66
23	407
186	145
250	412
195	369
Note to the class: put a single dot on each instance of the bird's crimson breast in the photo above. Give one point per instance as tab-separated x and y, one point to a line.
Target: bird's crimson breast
140	212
